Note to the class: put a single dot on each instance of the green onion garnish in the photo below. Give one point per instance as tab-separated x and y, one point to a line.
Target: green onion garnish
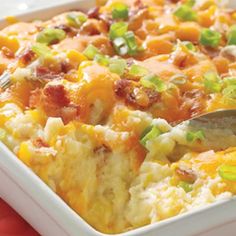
230	92
185	13
232	35
149	133
76	19
212	82
117	66
210	38
154	82
2	134
120	11
189	46
136	70
131	42
229	81
50	35
118	30
121	46
190	3
41	50
91	51
101	59
227	172
192	136
187	187
179	79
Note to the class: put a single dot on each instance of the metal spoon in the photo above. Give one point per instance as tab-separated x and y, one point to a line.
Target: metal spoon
220	119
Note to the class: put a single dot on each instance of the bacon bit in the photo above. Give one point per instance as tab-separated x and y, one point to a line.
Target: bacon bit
27	57
139	97
102	149
139	4
44	73
69	30
70	112
7	52
186	175
93	13
56	94
65	67
35	97
39	142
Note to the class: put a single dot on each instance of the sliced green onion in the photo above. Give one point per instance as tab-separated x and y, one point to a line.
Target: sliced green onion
192	136
212	82
154	82
120	11
187	187
136	70
118	30
131	42
210	38
232	35
3	134
190	3
117	66
227	172
185	13
121	46
101	59
76	19
229	81
91	51
50	35
189	46
178	79
149	133
41	50
230	92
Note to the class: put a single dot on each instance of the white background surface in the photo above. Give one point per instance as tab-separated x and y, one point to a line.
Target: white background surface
10	7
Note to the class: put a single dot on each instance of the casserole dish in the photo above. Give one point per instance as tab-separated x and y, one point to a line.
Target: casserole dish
51	216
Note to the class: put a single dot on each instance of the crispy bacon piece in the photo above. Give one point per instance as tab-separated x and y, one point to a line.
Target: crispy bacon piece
39	142
93	13
138	97
27	57
56	94
186	175
44	73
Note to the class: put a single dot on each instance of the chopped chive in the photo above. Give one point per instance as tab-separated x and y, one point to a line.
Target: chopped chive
178	79
227	172
137	70
101	59
76	19
212	82
185	13
117	66
50	35
187	187
41	50
120	11
190	3
192	136
118	30
210	38
230	91
121	46
131	42
232	35
189	46
154	82
149	133
91	51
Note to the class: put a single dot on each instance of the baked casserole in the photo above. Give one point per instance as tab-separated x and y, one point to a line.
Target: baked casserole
97	103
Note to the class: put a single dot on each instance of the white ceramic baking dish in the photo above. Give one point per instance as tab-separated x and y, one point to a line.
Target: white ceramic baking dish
50	216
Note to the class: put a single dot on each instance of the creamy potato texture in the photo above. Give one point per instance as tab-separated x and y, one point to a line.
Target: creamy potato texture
96	105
